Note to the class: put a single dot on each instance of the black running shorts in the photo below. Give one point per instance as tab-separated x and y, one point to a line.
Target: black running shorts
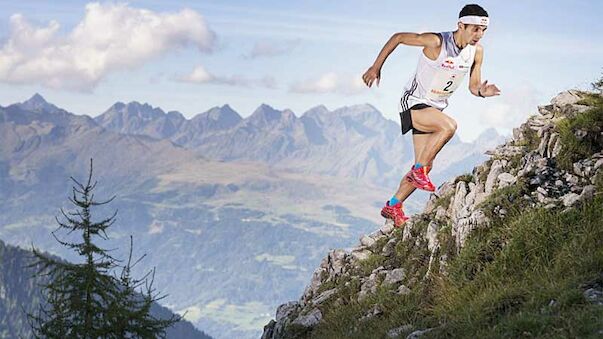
406	121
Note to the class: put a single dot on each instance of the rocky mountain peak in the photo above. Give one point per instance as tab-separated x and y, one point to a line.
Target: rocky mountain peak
363	111
217	118
37	103
133	109
317	113
224	114
266	115
175	115
144	111
118	106
319	109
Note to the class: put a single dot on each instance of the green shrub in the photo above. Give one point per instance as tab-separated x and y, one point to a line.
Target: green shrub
590	121
467	178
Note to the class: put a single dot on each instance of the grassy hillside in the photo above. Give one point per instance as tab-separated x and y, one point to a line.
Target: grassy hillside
533	272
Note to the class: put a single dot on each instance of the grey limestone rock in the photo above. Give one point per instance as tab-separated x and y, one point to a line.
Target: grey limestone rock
403	290
367	241
394	276
419	333
285	310
570	199
361	255
566	98
395	332
309	320
324	296
495	170
369	286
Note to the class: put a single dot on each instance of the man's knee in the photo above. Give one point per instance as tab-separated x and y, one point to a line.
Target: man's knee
449	127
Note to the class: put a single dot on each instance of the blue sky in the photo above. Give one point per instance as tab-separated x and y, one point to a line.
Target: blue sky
287	54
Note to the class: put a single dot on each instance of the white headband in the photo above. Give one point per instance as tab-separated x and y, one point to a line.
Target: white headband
475	20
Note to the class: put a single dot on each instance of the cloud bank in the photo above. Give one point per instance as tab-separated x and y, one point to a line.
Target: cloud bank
199	75
110	37
330	82
269	49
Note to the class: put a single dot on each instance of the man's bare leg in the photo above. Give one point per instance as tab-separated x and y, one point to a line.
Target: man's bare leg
441	126
406	188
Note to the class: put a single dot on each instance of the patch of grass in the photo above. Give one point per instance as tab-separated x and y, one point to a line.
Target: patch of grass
379	244
398	310
327	285
532	141
508	197
444	201
373	261
480	250
347	291
413	254
590	99
467	178
515	160
447	241
590	121
599	182
483	173
295	331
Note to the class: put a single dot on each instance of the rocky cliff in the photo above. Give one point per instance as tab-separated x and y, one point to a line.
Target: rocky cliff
399	283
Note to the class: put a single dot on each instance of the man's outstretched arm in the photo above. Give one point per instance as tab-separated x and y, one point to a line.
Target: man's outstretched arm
429	40
476	87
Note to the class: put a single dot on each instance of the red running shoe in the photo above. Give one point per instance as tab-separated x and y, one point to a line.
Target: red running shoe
394	213
419	179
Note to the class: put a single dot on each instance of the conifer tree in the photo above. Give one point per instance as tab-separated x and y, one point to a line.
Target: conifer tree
83	300
130	312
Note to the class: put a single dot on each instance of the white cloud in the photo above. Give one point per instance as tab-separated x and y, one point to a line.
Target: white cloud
110	37
511	108
331	82
199	75
268	49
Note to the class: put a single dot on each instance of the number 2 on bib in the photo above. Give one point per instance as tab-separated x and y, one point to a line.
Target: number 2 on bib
444	84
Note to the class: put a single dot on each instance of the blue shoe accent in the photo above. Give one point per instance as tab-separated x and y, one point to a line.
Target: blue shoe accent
418	165
393	201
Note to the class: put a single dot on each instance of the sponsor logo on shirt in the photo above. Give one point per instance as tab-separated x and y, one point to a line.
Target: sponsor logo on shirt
448	64
437	91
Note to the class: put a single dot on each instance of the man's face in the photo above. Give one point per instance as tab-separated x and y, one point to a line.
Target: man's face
472	33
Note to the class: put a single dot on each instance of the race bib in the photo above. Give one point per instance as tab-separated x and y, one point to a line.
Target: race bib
444	84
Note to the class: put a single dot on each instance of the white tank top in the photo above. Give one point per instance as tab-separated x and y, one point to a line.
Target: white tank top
434	81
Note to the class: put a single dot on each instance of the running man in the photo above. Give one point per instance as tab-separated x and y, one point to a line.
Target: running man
446	58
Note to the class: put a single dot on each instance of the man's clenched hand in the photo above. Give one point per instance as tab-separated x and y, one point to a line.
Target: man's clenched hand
370	75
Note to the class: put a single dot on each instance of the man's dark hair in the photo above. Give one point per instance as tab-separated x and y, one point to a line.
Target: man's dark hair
473	9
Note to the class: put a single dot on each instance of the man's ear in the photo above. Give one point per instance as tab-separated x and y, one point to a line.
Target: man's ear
461	26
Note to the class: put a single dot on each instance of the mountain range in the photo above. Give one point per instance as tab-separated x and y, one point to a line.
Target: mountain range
353	142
